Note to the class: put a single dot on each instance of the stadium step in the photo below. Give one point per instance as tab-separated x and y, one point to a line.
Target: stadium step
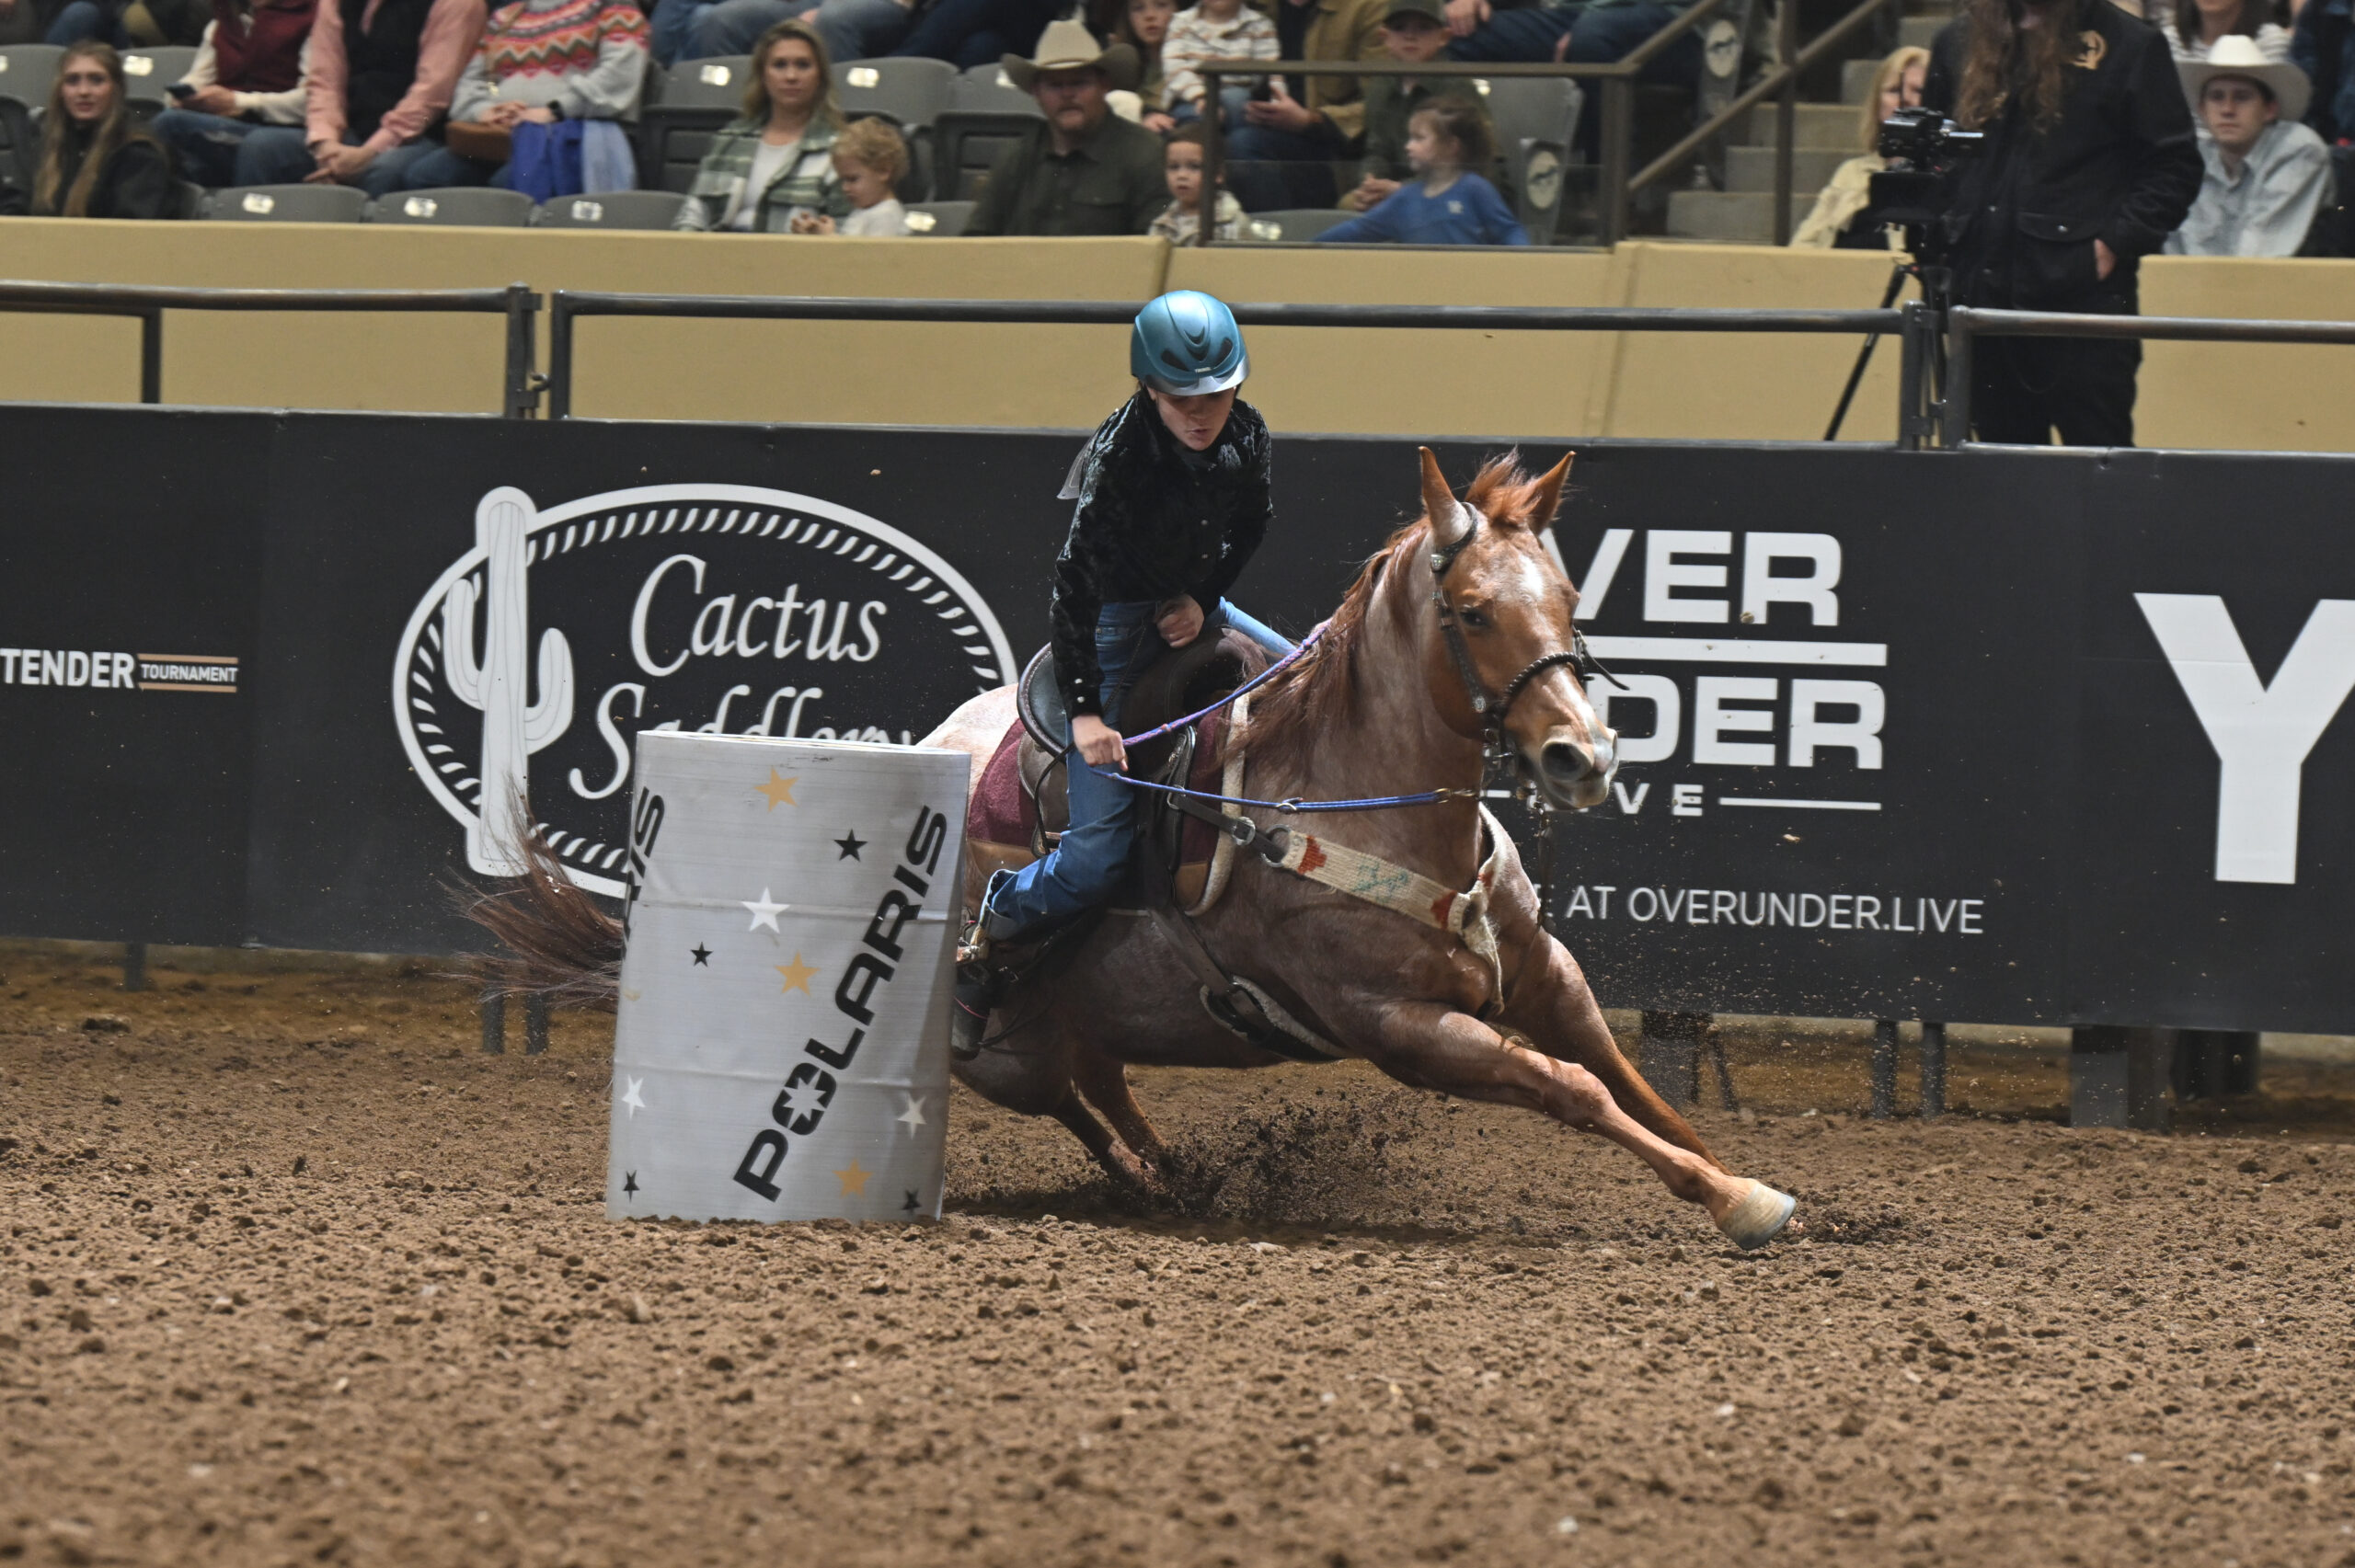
1752	169
1824	125
1745	217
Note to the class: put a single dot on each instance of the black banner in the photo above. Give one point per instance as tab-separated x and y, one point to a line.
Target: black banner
1999	735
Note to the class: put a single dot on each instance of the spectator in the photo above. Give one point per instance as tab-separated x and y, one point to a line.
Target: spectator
1181	223
1596	33
2323	46
2090	163
381	75
2266	174
1213	30
870	160
1414	32
1290	138
23	21
247	74
91	164
541	62
708	29
137	24
1842	219
967	33
1144	27
1446	203
776	163
2199	24
1084	171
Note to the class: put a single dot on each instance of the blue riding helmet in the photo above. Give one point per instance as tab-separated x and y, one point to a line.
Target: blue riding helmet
1185	343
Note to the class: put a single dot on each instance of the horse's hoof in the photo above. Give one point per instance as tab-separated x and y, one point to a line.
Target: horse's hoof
1759	1217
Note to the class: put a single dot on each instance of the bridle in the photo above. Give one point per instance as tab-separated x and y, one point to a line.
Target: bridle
1495	753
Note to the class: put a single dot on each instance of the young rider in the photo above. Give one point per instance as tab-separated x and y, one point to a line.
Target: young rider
1174	497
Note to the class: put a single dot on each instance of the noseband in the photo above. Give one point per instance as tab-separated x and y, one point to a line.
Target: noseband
1492	709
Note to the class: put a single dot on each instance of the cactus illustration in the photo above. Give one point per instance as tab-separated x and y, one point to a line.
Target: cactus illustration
513	725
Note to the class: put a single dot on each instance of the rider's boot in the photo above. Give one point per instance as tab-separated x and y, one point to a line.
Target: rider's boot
981	981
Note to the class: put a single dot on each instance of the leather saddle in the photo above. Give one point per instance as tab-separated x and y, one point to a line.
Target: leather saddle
1023	805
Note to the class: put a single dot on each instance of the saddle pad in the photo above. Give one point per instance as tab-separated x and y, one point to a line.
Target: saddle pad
1001	811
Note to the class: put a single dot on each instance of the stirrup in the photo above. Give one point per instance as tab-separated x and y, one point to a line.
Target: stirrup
979	988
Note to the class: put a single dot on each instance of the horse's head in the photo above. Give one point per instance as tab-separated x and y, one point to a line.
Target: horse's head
1503	652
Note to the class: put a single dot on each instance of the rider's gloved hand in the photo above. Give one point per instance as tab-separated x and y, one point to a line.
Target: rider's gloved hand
1099	742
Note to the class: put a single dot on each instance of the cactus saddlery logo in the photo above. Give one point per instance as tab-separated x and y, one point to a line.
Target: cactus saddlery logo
527	669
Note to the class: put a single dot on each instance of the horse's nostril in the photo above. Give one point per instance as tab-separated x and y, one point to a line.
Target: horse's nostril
1566	764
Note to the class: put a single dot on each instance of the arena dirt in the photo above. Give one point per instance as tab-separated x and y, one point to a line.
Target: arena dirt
291	1274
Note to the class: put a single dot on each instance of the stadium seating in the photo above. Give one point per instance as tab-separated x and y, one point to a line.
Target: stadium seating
613	210
288	204
461	206
1534	119
939	220
1290	225
19	143
149	73
911	92
986	113
27	71
694	99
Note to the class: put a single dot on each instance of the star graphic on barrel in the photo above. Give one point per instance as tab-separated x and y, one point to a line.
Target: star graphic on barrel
780	791
629	1184
797	974
853	1179
850	843
702	955
631	1098
765	913
912	1118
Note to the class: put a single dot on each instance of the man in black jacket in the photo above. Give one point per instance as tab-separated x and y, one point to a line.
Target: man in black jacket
2090	164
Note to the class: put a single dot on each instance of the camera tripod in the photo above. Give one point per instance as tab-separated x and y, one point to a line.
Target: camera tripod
1938	294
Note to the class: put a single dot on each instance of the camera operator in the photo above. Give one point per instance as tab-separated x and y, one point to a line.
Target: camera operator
2090	163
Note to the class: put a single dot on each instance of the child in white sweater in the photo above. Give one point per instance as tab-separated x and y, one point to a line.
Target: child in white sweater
1214	30
870	160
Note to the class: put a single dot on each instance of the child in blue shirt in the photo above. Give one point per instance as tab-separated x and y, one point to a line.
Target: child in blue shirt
1446	205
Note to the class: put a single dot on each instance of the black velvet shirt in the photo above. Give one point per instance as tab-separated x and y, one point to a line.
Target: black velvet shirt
1154	519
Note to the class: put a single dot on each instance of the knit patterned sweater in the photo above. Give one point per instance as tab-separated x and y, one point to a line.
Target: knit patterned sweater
587	57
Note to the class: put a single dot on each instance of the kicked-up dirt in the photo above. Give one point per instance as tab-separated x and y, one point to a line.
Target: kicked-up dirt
290	1273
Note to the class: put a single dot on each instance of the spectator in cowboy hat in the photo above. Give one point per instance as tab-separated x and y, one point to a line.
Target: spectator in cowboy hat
2266	174
1084	170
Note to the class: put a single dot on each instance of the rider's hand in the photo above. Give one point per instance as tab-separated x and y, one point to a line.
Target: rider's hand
1099	742
1180	620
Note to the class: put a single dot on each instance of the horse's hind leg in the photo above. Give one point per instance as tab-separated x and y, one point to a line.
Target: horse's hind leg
1105	1082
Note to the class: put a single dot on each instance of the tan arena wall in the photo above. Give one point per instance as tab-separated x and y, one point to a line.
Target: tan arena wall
1403	383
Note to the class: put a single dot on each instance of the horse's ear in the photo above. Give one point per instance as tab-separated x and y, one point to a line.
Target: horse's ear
1549	494
1448	522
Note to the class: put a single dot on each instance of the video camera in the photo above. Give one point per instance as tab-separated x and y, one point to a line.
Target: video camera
1925	147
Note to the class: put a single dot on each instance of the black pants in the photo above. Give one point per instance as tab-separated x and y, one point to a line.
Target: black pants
2022	389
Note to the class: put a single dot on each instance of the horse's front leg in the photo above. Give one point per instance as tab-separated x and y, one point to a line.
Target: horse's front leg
1436	1046
1551	1006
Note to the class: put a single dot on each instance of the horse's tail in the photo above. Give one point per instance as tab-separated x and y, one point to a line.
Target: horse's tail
557	941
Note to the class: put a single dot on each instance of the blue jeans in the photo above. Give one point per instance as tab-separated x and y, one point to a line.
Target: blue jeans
209	148
276	155
967	33
707	30
442	169
1086	864
1599	35
85	18
1269	169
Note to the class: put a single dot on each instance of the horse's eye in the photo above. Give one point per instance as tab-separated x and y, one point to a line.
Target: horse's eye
1472	618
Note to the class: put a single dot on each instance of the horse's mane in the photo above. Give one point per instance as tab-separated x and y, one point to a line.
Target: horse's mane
1320	688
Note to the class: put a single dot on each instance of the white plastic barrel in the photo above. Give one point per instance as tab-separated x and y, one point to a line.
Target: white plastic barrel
782	1049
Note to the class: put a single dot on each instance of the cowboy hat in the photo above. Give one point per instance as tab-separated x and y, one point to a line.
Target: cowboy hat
1069	46
2237	54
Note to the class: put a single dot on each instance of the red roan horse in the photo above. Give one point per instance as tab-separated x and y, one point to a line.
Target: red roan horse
1379	705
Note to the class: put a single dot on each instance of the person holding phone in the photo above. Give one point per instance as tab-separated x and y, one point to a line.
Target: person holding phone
248	73
1283	154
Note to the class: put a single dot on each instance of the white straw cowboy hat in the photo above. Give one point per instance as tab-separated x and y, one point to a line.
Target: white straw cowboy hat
1069	46
2237	54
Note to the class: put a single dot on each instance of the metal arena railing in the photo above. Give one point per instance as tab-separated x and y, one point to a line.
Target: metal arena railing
517	303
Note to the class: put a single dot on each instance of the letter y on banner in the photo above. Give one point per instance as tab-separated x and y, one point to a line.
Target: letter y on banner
2261	733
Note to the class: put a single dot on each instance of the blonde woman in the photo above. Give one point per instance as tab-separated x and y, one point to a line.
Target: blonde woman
91	163
773	171
1839	219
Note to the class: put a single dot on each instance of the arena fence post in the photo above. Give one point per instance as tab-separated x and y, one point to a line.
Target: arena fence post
494	1022
1933	1070
1668	1053
1213	153
535	1023
1955	427
2119	1076
1884	1069
559	355
1787	115
135	965
2211	1064
1618	144
522	397
151	355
